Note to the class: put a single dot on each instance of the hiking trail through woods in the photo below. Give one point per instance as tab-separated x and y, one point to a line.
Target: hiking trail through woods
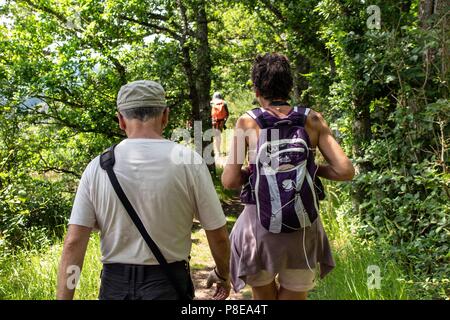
232	208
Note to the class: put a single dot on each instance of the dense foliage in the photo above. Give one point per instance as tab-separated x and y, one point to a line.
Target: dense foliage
382	86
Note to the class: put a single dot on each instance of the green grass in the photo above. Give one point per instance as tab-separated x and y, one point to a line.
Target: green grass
224	194
353	256
348	281
32	275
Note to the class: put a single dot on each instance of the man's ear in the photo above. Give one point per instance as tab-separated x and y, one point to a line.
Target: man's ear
122	123
165	118
257	93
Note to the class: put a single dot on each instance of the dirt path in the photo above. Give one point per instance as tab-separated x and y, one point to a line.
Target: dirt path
199	275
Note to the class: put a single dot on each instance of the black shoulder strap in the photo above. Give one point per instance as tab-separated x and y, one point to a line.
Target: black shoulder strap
107	161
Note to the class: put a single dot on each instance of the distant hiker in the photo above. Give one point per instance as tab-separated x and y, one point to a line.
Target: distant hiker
219	111
219	116
137	192
279	232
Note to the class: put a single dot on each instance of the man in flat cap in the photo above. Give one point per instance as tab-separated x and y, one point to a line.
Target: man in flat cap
166	194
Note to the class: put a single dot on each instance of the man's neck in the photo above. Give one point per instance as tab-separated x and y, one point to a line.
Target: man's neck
144	130
143	134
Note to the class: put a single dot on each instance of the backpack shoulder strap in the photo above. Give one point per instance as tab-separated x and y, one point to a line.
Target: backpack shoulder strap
299	115
303	110
257	114
265	120
107	160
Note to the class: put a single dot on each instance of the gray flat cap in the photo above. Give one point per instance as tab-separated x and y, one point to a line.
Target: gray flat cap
141	94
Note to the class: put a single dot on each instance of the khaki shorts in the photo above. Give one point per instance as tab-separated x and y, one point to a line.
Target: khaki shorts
297	280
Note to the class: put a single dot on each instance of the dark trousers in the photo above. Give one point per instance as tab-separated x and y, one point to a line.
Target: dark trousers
138	282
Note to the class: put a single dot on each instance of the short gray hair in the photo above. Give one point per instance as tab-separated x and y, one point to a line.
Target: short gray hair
143	114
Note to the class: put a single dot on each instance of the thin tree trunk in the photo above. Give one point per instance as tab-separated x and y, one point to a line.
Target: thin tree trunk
187	64
203	80
426	8
204	64
361	137
438	9
199	75
302	66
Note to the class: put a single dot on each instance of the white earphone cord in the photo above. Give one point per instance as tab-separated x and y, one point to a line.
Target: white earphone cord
304	236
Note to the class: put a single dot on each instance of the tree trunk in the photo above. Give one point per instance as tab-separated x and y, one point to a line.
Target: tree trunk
187	64
361	130
361	137
203	80
426	8
302	66
438	9
190	75
199	75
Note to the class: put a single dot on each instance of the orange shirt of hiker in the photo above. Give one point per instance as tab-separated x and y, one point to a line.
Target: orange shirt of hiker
219	111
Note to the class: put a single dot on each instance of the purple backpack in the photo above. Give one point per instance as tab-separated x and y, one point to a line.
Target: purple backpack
282	181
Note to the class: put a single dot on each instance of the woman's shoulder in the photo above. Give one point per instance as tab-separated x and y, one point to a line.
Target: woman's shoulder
314	119
314	115
245	121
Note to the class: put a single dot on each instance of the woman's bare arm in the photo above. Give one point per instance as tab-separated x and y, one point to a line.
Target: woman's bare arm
338	167
234	176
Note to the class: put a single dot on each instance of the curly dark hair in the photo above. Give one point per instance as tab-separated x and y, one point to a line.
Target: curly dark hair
271	76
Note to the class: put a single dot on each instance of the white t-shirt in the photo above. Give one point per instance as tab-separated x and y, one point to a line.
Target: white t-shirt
167	194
